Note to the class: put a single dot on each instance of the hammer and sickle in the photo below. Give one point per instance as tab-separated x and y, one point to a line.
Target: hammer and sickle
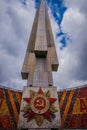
40	103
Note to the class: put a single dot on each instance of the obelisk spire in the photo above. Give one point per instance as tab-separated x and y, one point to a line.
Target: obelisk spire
39	106
41	48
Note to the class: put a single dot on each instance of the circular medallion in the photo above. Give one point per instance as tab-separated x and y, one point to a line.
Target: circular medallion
39	104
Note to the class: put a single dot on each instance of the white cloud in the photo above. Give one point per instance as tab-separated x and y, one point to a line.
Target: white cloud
15	26
73	58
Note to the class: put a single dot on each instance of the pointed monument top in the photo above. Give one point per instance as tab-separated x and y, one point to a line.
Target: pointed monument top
41	45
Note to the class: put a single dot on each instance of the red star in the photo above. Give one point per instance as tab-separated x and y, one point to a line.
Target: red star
47	114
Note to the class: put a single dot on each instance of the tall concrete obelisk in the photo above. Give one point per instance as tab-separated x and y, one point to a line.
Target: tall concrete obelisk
40	106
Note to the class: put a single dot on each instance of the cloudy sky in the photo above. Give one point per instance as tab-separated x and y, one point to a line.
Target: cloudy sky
68	19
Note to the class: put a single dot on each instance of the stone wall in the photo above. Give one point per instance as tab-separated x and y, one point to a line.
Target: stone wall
73	108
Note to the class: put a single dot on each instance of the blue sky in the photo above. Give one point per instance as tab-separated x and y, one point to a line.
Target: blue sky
68	20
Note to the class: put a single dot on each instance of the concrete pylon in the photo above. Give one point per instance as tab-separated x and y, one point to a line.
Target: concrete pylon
40	106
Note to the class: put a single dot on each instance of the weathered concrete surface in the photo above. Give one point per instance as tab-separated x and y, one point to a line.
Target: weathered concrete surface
56	122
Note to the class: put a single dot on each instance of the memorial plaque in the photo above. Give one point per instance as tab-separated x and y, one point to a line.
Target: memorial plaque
39	108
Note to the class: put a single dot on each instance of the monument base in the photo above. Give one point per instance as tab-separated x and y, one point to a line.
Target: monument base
39	109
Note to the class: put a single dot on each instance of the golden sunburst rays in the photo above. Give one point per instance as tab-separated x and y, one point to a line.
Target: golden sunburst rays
39	119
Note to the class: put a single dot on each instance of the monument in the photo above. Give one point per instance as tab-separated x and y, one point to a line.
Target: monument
39	106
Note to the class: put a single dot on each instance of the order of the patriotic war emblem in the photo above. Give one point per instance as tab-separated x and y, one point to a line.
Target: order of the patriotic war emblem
39	106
